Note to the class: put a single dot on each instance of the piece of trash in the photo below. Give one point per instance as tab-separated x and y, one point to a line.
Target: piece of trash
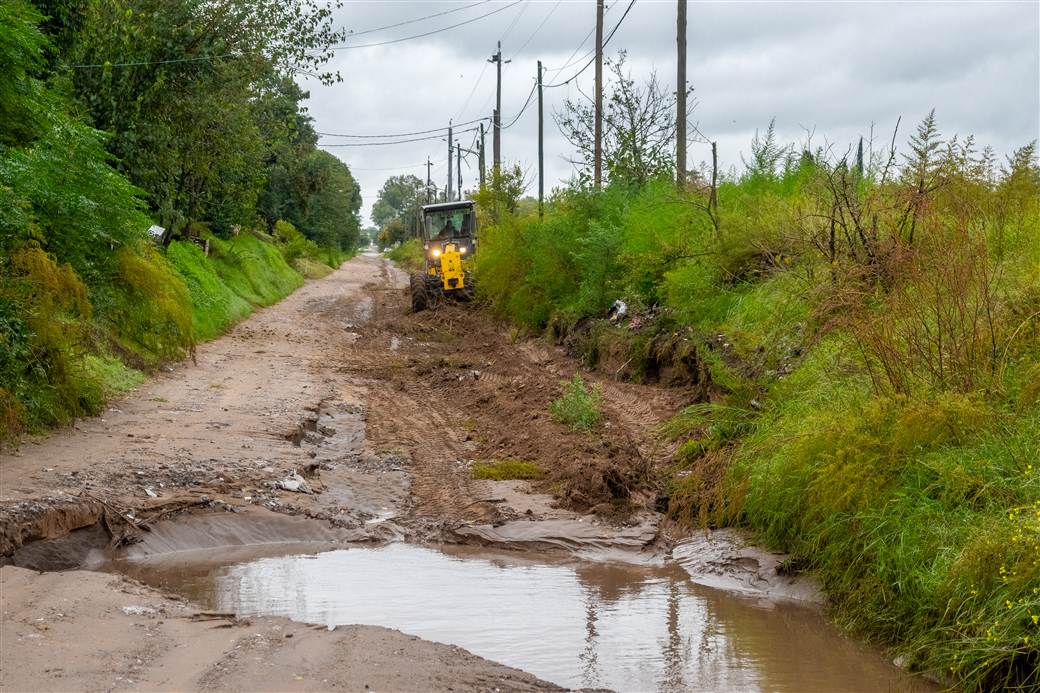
150	493
138	610
295	483
618	310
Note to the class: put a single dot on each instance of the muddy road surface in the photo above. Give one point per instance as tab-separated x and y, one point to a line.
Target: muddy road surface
297	511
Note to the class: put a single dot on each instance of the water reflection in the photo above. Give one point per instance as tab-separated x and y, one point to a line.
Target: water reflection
578	624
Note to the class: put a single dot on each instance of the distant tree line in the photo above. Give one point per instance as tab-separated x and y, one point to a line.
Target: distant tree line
200	109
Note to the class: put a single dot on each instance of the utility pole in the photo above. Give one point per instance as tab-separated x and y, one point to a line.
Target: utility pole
494	142
680	96
448	196
458	165
497	144
481	154
541	149
428	182
597	152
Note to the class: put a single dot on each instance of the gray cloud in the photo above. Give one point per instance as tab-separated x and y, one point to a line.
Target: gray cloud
834	66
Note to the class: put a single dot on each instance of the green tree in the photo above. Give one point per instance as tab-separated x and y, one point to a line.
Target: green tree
178	83
638	129
396	207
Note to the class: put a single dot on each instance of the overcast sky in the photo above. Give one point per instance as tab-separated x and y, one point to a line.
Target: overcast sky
830	67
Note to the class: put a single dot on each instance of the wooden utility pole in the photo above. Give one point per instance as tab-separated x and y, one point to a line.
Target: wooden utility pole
541	149
458	166
481	155
497	144
680	95
428	182
597	148
448	196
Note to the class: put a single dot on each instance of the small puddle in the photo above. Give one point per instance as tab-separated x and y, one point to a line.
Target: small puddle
575	623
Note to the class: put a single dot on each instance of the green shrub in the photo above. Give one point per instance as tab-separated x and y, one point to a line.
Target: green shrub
293	244
869	354
408	255
579	407
504	470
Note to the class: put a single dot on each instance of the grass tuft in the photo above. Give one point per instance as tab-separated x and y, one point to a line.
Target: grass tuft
505	470
579	408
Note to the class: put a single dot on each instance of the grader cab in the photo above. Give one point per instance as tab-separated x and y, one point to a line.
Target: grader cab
449	234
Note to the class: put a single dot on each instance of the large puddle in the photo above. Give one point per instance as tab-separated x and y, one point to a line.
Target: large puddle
577	624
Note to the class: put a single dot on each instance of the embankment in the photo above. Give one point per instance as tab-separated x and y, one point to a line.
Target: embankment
77	339
866	403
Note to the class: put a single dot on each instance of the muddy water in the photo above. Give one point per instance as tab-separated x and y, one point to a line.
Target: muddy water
578	624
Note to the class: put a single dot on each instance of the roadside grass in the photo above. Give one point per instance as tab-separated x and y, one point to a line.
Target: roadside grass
71	345
311	269
870	404
114	375
253	269
580	408
505	470
408	255
920	516
214	305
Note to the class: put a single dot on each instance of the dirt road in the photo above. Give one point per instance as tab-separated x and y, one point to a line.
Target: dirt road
376	415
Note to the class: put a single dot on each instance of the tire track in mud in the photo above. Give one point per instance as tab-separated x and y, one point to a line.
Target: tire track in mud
450	385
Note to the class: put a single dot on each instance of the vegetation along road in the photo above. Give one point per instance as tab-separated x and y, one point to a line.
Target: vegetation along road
755	427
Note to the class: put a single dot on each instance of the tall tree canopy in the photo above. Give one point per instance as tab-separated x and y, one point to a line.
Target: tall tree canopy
202	113
396	207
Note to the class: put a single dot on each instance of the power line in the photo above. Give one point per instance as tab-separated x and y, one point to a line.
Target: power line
158	62
605	42
472	91
571	60
402	134
319	50
427	33
535	33
383	144
509	29
418	19
522	108
392	168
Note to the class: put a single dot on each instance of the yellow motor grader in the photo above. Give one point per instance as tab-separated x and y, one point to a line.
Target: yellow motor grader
449	234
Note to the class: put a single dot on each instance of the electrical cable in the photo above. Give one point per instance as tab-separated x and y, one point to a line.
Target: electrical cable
418	19
512	24
473	90
157	62
520	50
522	108
320	50
383	144
395	168
570	59
605	42
405	134
427	33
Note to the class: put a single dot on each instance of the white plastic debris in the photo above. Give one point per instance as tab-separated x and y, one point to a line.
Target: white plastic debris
138	611
617	311
295	483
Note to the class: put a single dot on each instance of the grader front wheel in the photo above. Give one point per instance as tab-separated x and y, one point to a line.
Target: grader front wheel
417	284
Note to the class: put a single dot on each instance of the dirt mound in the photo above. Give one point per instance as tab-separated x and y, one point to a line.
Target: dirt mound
452	386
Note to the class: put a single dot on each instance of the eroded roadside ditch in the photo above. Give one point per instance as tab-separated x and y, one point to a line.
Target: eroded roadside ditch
380	425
